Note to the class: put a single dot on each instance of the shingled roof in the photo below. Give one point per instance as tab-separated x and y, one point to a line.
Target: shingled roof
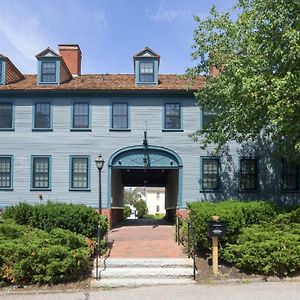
109	83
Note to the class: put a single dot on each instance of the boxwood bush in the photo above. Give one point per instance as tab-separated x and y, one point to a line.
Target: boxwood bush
237	215
269	248
29	255
76	218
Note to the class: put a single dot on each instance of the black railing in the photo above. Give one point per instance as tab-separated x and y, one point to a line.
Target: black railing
188	239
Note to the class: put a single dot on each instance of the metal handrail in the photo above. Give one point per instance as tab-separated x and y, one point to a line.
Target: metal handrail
190	244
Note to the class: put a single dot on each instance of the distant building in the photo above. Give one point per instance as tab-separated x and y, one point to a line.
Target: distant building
155	199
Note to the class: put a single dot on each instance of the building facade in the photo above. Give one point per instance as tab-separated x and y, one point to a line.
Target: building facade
54	124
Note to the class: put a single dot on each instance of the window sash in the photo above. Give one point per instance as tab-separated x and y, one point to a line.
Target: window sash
6	115
42	117
80	115
210	174
120	115
146	72
290	175
207	119
248	174
1	64
80	176
5	172
41	171
48	71
172	116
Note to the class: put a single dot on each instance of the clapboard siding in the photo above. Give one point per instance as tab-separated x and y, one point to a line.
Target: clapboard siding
145	112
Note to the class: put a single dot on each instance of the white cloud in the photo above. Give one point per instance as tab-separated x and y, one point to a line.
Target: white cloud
170	15
101	19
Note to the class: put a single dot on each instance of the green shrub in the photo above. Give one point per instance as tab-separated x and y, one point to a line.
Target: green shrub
127	211
266	249
76	218
156	216
236	214
141	209
36	256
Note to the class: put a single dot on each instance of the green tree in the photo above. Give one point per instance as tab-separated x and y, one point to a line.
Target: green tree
256	45
141	209
132	195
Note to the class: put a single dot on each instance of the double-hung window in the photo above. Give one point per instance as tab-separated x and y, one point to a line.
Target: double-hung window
5	172
81	115
1	75
6	115
79	173
48	72
40	179
172	116
42	115
120	116
290	175
210	180
146	72
207	119
248	174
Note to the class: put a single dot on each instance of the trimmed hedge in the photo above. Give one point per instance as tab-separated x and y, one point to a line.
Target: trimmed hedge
269	248
76	218
237	215
29	255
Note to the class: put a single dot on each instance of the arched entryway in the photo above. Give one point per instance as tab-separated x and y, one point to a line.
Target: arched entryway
144	165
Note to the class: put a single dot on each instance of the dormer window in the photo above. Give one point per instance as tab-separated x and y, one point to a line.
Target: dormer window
52	68
146	71
48	71
146	65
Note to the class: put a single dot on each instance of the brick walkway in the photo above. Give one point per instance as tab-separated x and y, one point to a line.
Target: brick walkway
144	239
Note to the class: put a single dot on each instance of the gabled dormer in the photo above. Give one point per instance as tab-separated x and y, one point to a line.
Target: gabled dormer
146	66
8	71
51	68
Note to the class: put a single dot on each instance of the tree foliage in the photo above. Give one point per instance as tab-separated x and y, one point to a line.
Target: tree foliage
132	195
257	48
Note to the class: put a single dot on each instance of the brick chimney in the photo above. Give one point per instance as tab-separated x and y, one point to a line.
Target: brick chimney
71	54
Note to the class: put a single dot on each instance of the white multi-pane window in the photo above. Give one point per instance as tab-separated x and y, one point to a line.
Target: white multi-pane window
172	118
210	174
79	173
40	172
48	71
5	172
248	174
120	116
146	72
6	115
81	115
42	115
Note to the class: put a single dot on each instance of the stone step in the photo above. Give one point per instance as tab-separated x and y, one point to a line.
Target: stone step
146	273
146	263
133	282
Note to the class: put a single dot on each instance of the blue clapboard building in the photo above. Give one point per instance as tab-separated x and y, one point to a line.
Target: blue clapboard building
54	124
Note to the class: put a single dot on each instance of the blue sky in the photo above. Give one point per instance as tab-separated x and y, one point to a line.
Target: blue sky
109	32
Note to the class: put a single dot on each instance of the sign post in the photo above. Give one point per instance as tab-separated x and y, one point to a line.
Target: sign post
216	229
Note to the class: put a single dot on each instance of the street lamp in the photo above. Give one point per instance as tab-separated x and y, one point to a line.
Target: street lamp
99	164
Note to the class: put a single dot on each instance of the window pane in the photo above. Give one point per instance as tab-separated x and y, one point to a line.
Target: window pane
248	175
6	115
5	172
48	72
290	175
40	172
172	116
146	72
79	173
42	115
207	119
210	176
120	115
81	115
